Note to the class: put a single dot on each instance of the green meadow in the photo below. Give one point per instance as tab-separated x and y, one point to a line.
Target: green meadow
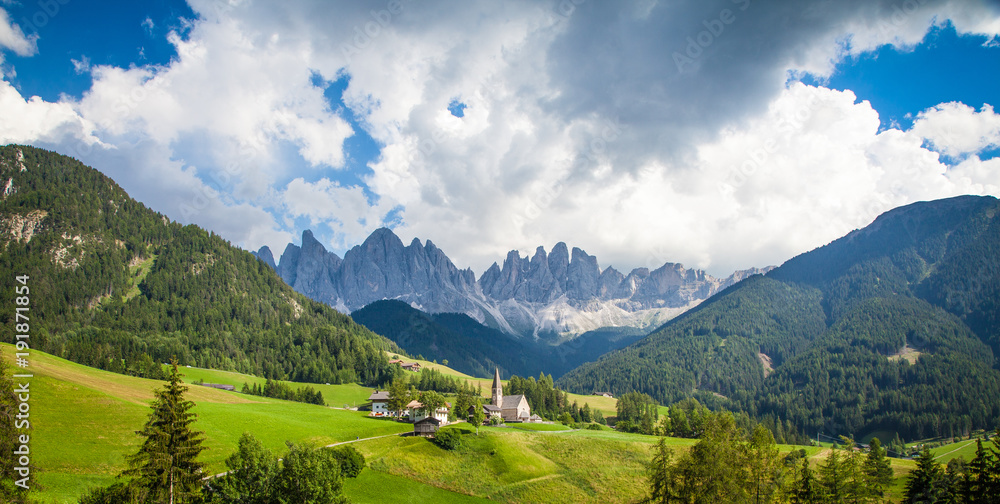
84	422
85	419
350	395
963	449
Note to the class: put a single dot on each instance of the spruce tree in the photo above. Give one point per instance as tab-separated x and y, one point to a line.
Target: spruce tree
166	464
926	483
806	489
983	483
877	470
660	474
832	477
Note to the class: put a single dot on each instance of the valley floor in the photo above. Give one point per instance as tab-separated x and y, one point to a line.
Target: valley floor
84	423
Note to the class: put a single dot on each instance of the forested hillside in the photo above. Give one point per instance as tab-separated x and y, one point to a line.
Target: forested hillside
890	328
118	286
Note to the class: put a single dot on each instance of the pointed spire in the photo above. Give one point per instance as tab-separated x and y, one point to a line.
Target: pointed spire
497	390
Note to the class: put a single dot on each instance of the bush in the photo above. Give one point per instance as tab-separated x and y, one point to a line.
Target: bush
448	439
593	426
351	462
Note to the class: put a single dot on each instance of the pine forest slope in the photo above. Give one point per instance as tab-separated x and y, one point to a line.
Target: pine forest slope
818	342
117	286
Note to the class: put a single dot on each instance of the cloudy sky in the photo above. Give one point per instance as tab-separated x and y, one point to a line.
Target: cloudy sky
720	134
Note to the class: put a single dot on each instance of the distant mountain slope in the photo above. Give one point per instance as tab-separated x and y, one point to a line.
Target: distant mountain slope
554	296
819	341
475	349
114	285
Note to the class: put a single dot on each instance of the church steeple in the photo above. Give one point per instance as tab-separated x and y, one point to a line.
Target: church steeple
497	390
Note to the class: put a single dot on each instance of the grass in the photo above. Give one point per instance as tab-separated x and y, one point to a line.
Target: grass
516	466
539	427
964	449
339	396
85	419
373	487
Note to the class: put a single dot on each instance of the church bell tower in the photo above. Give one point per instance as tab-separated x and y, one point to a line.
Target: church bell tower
497	390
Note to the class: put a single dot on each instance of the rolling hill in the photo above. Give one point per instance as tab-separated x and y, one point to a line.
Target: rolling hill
890	328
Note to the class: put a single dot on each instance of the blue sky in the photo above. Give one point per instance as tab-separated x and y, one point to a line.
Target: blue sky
492	127
901	82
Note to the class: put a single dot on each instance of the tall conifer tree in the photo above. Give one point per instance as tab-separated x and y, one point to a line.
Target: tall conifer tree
166	464
927	483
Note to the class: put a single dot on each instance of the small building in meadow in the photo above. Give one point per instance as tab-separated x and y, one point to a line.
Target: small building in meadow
410	366
380	403
427	427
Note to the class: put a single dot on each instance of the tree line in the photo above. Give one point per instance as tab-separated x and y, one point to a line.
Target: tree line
279	390
737	464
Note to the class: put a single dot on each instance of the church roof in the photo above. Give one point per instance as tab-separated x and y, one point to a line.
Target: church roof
511	401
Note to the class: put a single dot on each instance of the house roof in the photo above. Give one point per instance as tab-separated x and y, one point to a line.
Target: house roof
415	404
429	419
490	407
379	395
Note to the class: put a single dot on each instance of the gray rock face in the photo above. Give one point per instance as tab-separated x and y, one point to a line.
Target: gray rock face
264	254
560	291
379	268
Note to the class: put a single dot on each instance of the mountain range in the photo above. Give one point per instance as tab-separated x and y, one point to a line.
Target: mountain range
552	296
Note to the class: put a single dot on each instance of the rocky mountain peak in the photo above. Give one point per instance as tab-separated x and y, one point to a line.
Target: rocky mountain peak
564	290
264	254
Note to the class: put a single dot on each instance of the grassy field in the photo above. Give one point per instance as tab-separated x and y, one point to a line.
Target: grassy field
511	465
539	427
965	449
373	487
85	420
339	396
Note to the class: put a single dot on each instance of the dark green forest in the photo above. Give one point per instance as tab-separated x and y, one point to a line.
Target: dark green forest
118	286
890	329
